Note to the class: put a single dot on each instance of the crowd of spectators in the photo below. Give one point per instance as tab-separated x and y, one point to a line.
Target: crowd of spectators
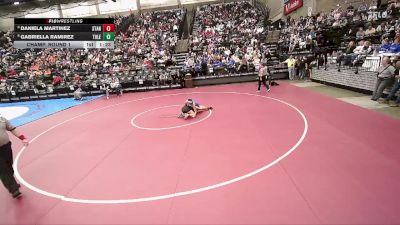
153	36
364	23
349	34
229	39
142	54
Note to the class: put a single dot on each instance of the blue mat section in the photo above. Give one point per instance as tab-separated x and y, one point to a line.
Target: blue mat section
42	108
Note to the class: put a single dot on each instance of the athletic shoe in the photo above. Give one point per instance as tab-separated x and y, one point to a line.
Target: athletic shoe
16	194
269	89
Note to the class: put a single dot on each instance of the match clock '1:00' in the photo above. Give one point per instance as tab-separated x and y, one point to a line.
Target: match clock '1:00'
105	44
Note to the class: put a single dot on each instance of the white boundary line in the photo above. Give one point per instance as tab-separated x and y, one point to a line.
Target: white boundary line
160	197
165	128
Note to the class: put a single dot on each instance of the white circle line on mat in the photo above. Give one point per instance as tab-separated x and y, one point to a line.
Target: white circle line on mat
159	197
165	128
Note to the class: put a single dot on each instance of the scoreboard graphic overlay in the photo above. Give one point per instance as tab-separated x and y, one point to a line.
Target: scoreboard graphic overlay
64	33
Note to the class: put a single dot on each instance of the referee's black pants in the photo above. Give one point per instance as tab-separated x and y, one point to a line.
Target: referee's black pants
6	169
262	80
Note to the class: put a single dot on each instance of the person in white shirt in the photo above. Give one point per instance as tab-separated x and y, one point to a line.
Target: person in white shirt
370	31
115	68
106	64
112	84
263	75
175	28
78	94
365	48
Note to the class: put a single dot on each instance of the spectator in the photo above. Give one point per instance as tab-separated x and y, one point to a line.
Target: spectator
363	6
57	80
364	48
395	88
382	28
385	45
291	63
115	86
395	47
347	55
361	52
78	94
370	31
360	34
302	67
243	63
385	77
373	5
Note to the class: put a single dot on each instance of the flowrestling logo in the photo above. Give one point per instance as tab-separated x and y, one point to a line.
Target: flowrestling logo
292	5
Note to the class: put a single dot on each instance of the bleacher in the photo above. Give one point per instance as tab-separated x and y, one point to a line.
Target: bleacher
207	32
144	68
134	75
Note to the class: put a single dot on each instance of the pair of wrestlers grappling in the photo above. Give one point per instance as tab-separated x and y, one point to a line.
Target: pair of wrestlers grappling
191	108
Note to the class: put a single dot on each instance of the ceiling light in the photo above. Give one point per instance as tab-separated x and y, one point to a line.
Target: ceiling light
16	3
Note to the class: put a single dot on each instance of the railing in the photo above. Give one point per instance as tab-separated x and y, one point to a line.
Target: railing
371	64
65	92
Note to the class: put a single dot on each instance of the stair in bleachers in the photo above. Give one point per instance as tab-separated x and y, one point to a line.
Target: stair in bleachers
182	46
180	60
273	36
196	25
273	48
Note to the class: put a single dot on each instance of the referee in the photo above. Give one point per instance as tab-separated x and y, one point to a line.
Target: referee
263	74
6	156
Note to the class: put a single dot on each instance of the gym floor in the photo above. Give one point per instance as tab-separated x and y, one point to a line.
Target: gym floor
302	154
351	97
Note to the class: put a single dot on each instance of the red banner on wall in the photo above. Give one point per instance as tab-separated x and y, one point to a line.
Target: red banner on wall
292	5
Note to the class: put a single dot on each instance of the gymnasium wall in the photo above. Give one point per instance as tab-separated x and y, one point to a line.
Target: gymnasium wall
6	24
276	7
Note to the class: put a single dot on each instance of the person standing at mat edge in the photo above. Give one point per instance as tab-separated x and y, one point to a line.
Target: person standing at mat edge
6	156
291	62
384	78
395	88
263	74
